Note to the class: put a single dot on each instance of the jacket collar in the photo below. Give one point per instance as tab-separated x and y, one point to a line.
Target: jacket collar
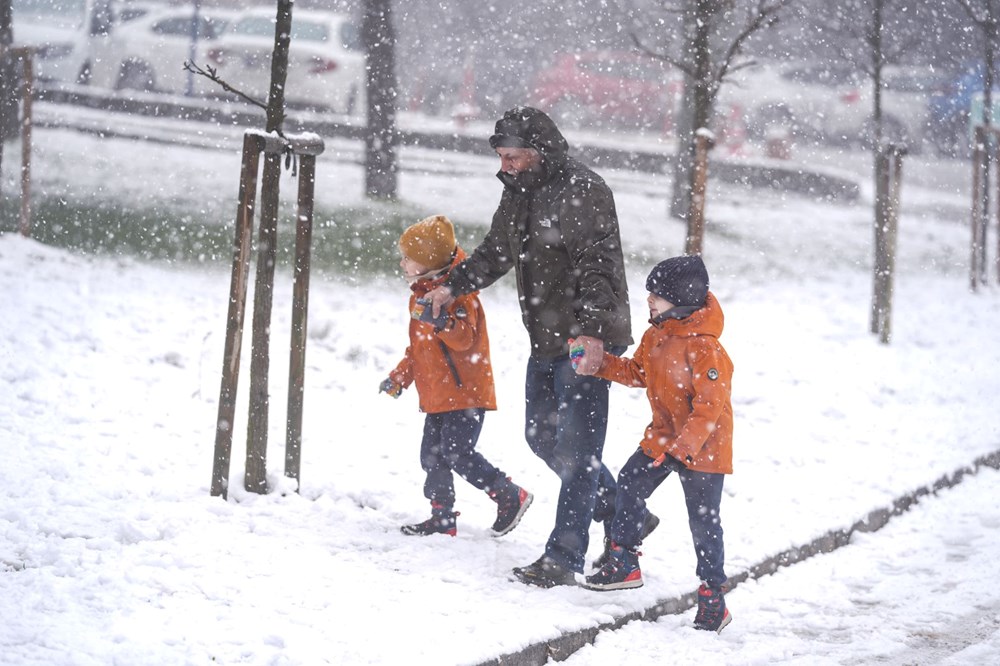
434	279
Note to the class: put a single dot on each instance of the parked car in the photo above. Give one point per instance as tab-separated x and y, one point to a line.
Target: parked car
832	102
608	88
148	52
794	97
131	10
905	116
326	62
69	35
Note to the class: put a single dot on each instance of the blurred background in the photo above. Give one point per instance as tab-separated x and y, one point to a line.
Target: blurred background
603	65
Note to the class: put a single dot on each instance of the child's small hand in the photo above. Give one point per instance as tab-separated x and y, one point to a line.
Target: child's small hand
575	353
390	387
587	354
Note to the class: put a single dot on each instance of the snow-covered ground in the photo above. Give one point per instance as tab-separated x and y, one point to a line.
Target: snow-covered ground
112	550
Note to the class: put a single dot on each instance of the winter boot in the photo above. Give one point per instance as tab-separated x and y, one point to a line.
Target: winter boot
545	572
649	523
620	572
712	612
442	521
512	501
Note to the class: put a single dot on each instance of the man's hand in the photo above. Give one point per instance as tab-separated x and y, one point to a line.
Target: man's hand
440	297
587	354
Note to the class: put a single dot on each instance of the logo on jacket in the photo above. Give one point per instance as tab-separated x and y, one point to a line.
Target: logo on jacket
545	222
713	374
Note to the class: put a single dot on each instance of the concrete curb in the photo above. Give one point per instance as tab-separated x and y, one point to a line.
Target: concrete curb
563	646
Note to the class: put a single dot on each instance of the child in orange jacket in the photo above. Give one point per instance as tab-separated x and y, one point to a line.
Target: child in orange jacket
687	376
449	361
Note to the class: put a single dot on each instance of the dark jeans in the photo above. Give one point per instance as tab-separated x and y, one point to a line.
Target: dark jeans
449	445
566	419
702	494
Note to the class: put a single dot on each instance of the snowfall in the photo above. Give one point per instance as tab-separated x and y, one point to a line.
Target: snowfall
113	551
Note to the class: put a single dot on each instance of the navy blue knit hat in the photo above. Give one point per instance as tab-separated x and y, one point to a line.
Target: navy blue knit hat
682	281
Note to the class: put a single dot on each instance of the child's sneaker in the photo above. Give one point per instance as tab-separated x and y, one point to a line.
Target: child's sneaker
620	572
512	501
712	612
442	521
649	523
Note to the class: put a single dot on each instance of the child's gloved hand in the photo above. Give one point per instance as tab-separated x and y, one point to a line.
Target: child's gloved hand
390	387
423	311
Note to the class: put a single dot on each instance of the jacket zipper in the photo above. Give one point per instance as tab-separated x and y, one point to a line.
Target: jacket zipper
451	363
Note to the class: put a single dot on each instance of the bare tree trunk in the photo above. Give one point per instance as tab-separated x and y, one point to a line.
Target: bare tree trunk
698	92
381	138
256	456
878	61
8	99
683	165
989	46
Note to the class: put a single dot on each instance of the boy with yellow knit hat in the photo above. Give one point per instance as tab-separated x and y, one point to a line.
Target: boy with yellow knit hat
449	361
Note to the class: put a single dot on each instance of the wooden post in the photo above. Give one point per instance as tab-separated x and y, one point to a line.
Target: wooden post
888	180
977	184
696	216
235	318
272	146
24	222
300	309
255	478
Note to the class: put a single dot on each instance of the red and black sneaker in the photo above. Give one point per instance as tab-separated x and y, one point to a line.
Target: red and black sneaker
712	612
620	571
512	501
442	521
649	523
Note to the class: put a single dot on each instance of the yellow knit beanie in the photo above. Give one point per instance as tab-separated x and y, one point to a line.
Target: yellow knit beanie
430	242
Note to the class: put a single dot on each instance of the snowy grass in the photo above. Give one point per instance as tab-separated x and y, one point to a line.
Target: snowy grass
352	240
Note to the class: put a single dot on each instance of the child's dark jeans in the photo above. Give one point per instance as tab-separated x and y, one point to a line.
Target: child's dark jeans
702	494
449	444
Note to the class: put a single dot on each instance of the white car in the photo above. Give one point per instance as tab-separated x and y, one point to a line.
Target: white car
326	62
148	53
68	35
830	101
796	97
906	92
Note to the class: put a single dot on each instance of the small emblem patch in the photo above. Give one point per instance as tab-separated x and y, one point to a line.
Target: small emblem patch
713	374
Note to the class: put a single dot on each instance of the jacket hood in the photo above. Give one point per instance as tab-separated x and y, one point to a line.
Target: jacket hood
527	127
707	320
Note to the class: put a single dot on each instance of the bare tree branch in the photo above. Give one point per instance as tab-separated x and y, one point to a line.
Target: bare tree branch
679	64
760	18
980	18
212	74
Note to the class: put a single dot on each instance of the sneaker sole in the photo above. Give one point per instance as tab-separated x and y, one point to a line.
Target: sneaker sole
408	532
546	583
725	623
517	518
609	587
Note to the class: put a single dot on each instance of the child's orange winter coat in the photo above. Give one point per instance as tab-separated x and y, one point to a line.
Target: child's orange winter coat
687	375
451	367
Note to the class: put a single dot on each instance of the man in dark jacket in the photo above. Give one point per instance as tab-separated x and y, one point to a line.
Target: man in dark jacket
557	227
